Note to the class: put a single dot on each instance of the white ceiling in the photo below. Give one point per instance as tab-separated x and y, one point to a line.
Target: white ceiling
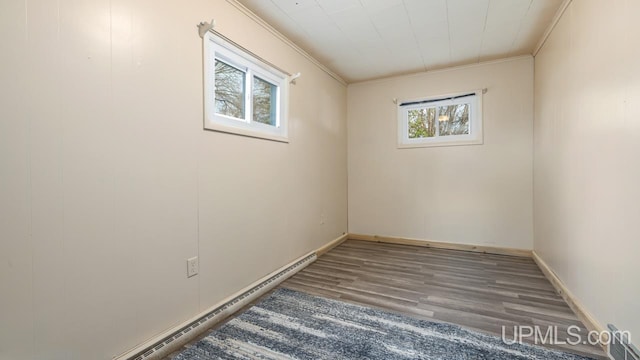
367	39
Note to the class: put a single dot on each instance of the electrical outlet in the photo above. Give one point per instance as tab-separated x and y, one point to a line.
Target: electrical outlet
322	218
192	266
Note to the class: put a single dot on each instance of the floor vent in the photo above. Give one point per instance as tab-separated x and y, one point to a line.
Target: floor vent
621	347
178	338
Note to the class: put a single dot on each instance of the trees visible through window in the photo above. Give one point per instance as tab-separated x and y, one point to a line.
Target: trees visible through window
230	90
439	121
264	101
450	120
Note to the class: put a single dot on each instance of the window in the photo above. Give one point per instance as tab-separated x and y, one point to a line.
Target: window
441	121
243	94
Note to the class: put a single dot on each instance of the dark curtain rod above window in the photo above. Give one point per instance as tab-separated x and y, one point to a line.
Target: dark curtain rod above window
435	100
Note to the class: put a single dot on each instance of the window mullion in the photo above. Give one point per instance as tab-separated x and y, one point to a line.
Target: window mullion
405	124
248	96
471	122
437	121
278	104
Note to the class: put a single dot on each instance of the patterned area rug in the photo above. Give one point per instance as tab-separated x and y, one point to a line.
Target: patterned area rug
293	325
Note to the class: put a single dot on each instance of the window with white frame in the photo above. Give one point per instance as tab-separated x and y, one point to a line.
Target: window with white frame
243	94
454	119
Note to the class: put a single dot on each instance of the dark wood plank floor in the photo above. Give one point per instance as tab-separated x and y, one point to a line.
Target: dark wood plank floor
479	291
482	292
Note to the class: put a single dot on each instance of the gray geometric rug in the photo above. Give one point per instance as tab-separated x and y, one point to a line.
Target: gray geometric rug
293	325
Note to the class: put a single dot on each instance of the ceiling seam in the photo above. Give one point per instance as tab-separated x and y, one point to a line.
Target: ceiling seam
372	23
289	17
374	27
415	37
484	30
446	4
342	31
513	43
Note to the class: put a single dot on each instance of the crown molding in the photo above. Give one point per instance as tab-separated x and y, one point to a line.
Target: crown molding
446	69
552	25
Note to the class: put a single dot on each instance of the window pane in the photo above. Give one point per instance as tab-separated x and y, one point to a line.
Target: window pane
229	90
264	102
422	123
453	119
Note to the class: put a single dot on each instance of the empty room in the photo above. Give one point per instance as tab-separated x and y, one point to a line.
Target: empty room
319	179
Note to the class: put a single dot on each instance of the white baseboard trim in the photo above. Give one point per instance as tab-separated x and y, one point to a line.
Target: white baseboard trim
325	249
576	305
442	245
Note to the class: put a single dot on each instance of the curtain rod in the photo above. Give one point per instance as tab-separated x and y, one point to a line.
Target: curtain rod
205	27
435	100
395	101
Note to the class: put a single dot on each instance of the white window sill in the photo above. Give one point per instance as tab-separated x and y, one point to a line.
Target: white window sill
439	143
246	132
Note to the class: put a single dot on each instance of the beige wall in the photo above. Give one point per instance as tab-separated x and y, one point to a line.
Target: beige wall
480	194
108	182
587	142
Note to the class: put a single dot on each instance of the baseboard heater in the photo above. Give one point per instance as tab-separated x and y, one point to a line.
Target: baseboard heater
174	339
620	347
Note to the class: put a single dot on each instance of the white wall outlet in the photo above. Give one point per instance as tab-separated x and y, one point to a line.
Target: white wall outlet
192	266
323	218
